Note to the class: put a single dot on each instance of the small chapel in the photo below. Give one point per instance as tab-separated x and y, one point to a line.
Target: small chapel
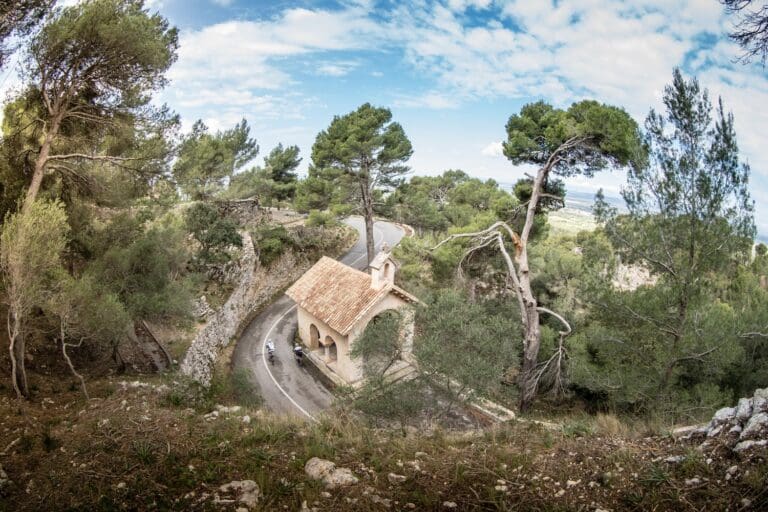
336	302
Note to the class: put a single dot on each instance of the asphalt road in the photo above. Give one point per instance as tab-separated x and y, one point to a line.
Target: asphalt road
286	387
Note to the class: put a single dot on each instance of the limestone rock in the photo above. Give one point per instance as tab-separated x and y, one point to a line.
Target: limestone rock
396	479
756	427
746	445
325	470
201	309
723	416
243	491
744	409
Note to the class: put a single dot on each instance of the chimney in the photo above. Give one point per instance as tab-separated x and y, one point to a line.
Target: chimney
382	270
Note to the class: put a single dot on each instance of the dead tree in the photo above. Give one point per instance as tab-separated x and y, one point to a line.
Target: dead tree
532	373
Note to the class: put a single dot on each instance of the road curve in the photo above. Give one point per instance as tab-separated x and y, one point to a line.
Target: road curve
285	387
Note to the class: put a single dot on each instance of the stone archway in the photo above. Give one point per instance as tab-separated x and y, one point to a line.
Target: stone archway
331	350
314	337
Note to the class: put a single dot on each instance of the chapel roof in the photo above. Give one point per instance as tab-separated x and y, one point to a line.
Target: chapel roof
339	295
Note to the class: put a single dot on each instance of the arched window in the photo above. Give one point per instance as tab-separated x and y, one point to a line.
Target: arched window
314	337
386	271
331	351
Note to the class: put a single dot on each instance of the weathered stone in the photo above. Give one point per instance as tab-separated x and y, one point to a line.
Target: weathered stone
201	309
744	409
715	431
756	427
761	393
243	491
396	479
759	404
746	445
723	416
222	326
450	504
325	470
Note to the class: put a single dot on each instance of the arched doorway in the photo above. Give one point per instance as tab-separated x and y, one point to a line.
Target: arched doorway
314	337
331	351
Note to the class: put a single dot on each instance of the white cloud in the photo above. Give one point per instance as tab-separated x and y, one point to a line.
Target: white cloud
338	68
493	149
432	100
222	3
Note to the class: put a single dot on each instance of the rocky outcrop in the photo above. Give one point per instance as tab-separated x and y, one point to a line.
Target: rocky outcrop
225	324
742	428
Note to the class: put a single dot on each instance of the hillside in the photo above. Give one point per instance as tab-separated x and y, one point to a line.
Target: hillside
159	445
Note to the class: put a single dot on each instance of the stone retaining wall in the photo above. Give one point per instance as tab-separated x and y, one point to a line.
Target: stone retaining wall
224	325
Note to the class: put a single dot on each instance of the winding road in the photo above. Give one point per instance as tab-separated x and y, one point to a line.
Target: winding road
286	387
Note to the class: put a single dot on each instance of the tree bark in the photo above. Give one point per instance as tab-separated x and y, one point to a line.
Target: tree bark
532	341
368	215
40	163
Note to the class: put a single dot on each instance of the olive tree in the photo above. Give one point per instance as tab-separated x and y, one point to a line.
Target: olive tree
31	246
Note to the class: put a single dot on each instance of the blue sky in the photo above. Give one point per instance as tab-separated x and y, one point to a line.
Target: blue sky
453	71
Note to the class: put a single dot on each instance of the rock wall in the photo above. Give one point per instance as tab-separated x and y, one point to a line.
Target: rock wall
243	211
224	325
741	428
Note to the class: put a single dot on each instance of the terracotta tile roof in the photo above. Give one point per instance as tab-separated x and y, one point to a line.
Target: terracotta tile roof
339	295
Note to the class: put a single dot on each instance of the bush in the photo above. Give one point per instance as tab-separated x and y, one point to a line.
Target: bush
214	233
271	241
318	218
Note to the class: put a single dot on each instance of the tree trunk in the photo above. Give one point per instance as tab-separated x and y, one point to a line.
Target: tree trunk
40	163
532	342
368	215
16	353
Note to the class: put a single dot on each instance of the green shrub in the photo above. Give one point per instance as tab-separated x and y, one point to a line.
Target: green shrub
318	218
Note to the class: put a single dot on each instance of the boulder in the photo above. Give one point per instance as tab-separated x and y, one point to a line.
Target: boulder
325	470
722	416
746	445
744	409
756	427
243	491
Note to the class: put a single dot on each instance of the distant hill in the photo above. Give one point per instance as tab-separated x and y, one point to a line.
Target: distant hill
583	201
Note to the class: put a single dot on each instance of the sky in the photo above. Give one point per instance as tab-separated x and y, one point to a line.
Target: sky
453	71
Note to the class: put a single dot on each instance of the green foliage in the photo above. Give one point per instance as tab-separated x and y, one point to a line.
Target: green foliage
205	160
213	232
324	189
436	203
669	346
82	305
587	137
19	17
271	241
31	249
363	151
114	47
472	343
318	218
281	164
142	269
366	144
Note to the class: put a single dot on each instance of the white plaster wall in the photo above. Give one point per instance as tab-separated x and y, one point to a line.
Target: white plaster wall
344	366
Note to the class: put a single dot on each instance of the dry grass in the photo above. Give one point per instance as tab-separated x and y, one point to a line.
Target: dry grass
147	448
